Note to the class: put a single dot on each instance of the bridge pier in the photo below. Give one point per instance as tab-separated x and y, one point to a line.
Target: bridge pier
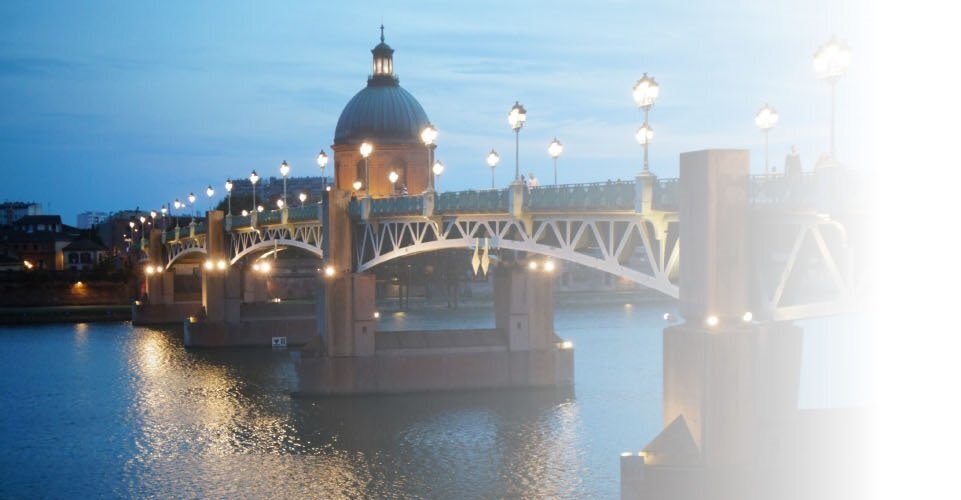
223	289
732	428
158	306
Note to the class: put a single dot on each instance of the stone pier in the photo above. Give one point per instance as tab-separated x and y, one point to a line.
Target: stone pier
159	306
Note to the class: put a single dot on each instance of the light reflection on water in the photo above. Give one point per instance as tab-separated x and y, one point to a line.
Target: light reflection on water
125	411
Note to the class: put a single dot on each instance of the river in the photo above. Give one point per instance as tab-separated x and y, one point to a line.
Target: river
112	410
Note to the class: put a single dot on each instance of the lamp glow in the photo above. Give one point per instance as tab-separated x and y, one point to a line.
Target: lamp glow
284	168
365	149
644	134
711	320
428	135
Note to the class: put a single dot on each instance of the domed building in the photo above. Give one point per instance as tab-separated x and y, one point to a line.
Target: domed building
391	120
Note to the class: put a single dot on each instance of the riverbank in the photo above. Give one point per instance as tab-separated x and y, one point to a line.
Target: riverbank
63	314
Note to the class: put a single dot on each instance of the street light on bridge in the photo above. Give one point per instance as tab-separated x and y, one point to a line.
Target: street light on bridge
322	163
284	170
253	182
830	63
177	206
438	169
392	177
555	148
303	198
765	120
210	196
492	159
516	118
357	185
229	186
429	135
365	149
646	91
191	198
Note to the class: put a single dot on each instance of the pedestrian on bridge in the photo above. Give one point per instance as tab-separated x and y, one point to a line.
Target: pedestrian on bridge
534	182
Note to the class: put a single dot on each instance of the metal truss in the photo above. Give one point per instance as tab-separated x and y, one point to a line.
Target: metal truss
308	237
178	248
805	267
623	244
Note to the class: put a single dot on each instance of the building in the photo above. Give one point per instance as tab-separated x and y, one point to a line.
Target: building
391	120
11	211
37	241
83	255
87	220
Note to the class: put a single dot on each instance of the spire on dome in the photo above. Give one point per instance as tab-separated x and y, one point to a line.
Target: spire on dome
383	73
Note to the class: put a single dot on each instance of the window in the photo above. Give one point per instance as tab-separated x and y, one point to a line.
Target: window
72	257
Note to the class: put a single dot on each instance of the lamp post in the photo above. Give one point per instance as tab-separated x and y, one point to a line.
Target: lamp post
392	177
554	149
357	185
831	61
253	182
302	197
322	163
492	159
177	206
229	186
429	135
765	120
210	196
516	118
191	198
143	221
365	149
645	94
438	169
163	216
130	245
284	170
153	219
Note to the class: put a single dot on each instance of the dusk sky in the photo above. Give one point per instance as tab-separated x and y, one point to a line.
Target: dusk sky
115	105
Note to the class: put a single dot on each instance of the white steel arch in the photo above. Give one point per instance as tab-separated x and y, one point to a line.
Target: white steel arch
308	237
182	247
600	241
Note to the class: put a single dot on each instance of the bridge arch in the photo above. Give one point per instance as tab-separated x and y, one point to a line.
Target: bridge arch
271	244
613	238
176	253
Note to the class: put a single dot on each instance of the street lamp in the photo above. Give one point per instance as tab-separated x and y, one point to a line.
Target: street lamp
644	135
303	198
831	61
284	170
153	219
392	177
253	182
191	198
365	149
765	120
229	186
438	169
177	206
492	159
322	163
516	119
357	185
163	217
645	94
280	203
429	135
210	196
554	149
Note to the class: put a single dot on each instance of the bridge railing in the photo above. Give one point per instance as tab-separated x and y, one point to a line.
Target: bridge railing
399	205
666	194
239	221
610	195
305	213
270	217
488	200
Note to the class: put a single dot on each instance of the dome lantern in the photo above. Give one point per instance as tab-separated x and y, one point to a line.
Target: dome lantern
383	66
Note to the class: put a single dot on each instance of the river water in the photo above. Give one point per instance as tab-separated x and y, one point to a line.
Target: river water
112	410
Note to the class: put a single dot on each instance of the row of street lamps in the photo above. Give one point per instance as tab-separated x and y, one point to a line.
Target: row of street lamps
830	63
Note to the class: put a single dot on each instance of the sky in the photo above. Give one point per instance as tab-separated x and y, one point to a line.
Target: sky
111	105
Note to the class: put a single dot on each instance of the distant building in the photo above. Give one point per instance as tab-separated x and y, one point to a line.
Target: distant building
83	255
87	220
10	211
37	241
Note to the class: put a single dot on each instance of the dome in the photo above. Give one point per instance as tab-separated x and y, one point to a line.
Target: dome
381	113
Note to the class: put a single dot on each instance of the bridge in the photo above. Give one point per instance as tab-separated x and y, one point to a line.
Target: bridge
803	265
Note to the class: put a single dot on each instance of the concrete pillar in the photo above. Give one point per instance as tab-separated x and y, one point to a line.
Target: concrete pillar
154	288
644	192
167	286
713	209
518	191
524	307
212	277
347	311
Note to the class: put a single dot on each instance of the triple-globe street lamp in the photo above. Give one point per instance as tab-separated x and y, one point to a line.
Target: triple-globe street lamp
766	119
830	62
646	91
516	118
